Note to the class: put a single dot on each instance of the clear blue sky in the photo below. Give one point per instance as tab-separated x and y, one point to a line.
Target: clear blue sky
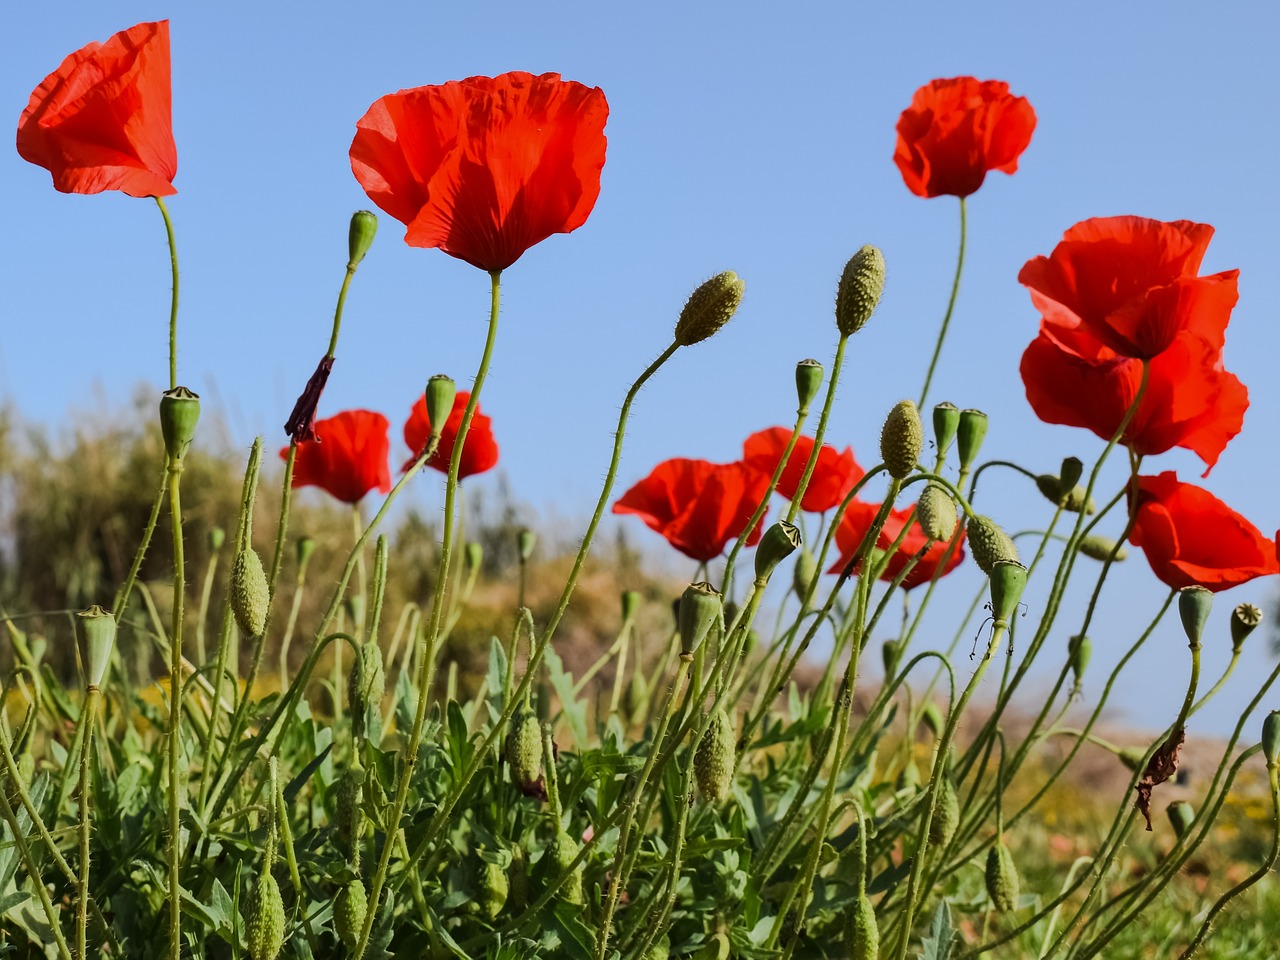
740	138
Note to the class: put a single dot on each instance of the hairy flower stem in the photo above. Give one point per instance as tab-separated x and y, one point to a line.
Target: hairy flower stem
951	304
202	615
177	782
91	700
33	870
173	303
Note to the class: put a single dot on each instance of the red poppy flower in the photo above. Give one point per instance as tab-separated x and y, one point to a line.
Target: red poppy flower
1131	282
103	119
698	506
348	458
479	452
956	130
857	521
1192	538
484	168
834	474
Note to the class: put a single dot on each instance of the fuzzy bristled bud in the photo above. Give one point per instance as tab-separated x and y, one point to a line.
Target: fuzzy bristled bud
861	285
99	628
494	887
988	543
901	440
1194	604
700	607
1003	884
780	541
715	759
264	919
809	375
936	513
366	685
364	225
349	911
250	593
1181	816
709	308
946	813
564	853
1244	620
1103	548
863	935
523	749
969	436
348	817
179	414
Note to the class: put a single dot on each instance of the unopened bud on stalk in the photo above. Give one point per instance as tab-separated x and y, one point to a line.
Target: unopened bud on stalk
250	594
1003	884
946	420
523	748
1070	472
440	394
988	543
969	436
364	224
303	550
631	600
1073	499
780	541
215	538
709	308
1079	652
861	285
366	685
946	813
901	440
715	759
179	414
936	513
1271	737
809	375
264	919
700	607
1181	816
526	540
565	851
349	911
804	572
1103	548
933	719
494	888
1132	757
864	935
348	815
99	628
890	655
637	703
1008	580
1194	604
472	558
1244	619
660	949
355	608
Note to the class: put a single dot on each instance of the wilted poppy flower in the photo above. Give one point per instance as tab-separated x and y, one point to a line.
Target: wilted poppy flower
857	520
348	458
103	119
1192	538
698	506
479	452
1131	283
486	167
956	130
834	474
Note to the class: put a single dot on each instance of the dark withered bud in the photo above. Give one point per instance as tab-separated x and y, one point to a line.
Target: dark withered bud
179	414
861	285
946	420
700	607
780	541
709	308
301	425
969	436
364	224
809	375
440	394
1244	619
99	628
1194	604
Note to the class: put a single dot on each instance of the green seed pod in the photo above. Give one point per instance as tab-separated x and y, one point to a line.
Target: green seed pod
349	911
709	308
804	572
890	655
1181	816
524	747
988	543
660	949
809	374
564	853
946	420
780	541
366	686
715	759
861	285
1079	652
348	815
264	919
179	414
936	513
1003	884
863	934
1244	619
1194	604
901	440
99	628
214	538
250	594
440	394
364	224
493	886
933	718
946	813
1101	548
526	540
969	436
1271	737
700	608
1008	580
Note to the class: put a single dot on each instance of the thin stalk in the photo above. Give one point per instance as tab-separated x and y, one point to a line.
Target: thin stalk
173	303
33	870
206	592
82	881
176	784
951	305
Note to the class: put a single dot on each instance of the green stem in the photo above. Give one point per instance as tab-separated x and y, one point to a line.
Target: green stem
176	784
33	870
173	305
82	881
951	305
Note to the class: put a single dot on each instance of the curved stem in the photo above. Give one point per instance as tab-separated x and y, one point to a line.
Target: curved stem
173	305
951	305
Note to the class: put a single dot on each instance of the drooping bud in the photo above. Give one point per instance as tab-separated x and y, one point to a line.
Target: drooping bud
1003	884
348	817
364	224
700	607
349	911
936	513
969	436
526	540
493	886
809	375
709	308
1008	580
1070	472
631	600
861	285
179	414
1181	815
933	719
264	919
215	538
715	759
1079	652
1073	499
472	558
1103	548
864	935
1271	737
366	685
1132	757
523	749
890	656
946	813
566	849
439	396
1194	604
780	541
250	593
303	550
988	543
946	420
1244	619
804	572
901	440
99	628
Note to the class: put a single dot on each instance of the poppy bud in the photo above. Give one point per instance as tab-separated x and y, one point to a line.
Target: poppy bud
1271	737
1003	884
700	606
809	375
1073	499
179	414
493	888
660	949
364	224
890	655
933	719
215	538
1181	816
1103	548
861	285
518	878
946	419
969	436
709	308
349	911
714	761
946	813
1194	604
1079	652
901	440
526	540
936	513
99	628
779	542
440	393
303	550
1132	757
366	685
348	817
864	934
637	696
1008	580
803	573
250	594
631	600
524	747
1244	618
1070	472
472	557
564	853
988	543
264	919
